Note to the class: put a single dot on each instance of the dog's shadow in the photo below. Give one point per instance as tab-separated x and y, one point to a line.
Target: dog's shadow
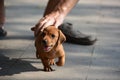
15	66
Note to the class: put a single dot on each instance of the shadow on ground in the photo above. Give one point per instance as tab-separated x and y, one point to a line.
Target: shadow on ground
16	37
15	66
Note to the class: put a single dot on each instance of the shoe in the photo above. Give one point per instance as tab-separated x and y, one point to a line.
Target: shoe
3	33
76	37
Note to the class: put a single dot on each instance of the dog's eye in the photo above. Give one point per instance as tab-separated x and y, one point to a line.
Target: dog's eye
53	36
43	34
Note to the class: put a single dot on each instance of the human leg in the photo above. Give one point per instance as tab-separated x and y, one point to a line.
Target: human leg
2	19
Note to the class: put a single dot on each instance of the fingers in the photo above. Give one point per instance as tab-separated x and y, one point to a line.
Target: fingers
40	25
48	21
43	23
58	21
56	24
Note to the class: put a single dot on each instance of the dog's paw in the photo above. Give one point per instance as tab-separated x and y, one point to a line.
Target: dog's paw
59	64
52	62
37	56
48	69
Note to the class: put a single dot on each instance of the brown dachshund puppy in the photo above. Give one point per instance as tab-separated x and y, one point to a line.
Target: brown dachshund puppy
49	46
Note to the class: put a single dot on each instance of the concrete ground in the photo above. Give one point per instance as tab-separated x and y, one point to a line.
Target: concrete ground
100	18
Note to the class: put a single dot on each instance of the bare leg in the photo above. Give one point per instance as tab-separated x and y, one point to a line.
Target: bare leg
2	19
2	13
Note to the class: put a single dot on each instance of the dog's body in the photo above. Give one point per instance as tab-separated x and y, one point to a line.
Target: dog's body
49	46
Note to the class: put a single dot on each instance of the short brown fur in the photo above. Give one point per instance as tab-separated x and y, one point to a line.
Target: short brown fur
49	46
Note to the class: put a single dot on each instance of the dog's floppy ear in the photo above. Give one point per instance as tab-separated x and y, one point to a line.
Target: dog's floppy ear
33	28
61	37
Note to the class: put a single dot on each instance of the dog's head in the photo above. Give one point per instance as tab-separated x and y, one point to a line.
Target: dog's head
49	38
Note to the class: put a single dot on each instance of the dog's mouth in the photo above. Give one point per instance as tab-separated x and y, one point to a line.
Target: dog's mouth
47	48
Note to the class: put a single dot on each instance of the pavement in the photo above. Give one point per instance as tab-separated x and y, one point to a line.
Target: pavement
101	61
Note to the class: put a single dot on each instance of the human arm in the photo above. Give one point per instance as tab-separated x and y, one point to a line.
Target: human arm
55	13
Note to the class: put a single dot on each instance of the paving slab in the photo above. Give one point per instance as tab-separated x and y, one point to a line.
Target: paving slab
100	18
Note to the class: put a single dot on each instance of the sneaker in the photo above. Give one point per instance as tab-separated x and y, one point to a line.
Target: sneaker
3	33
76	37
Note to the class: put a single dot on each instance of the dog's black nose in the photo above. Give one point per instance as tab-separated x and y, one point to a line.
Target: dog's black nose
44	41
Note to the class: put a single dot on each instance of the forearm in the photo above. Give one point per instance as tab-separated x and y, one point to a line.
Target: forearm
55	13
65	6
61	6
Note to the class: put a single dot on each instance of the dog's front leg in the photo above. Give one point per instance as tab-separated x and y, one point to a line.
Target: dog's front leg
51	62
46	65
61	61
37	55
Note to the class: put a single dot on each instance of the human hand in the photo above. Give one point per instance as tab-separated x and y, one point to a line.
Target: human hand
54	18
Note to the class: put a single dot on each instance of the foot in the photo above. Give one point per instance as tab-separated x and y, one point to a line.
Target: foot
3	33
76	37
